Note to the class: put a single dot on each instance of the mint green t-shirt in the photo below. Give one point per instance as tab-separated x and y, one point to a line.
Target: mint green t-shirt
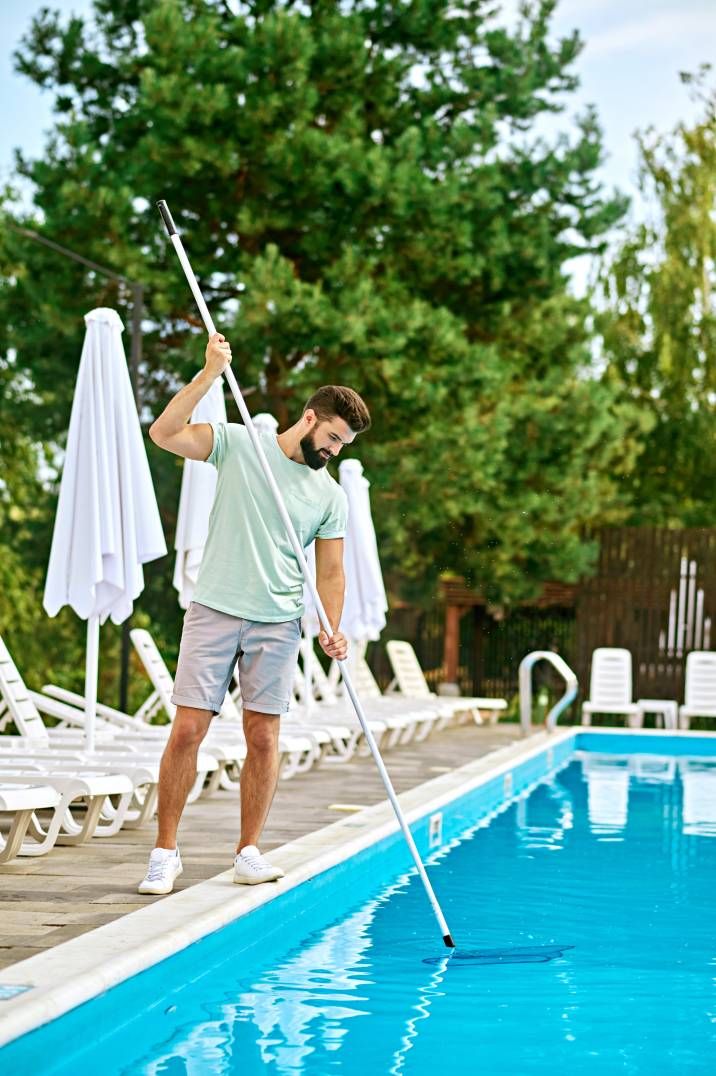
249	568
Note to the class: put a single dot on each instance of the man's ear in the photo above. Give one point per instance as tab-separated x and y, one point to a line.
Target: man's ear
310	416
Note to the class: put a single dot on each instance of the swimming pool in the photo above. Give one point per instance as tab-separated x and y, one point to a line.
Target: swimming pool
583	875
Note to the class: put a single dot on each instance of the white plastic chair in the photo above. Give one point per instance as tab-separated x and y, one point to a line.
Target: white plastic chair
698	779
607	793
610	686
700	687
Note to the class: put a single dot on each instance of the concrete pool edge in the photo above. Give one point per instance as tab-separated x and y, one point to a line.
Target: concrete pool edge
78	970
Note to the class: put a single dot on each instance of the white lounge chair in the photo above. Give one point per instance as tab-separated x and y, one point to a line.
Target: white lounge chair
306	716
700	687
610	686
426	712
388	726
422	715
20	802
318	712
78	814
341	723
23	756
115	752
409	680
118	731
392	721
38	744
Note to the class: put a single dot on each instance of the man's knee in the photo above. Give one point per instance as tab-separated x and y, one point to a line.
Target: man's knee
261	731
190	727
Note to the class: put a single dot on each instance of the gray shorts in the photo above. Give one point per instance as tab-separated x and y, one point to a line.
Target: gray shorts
211	644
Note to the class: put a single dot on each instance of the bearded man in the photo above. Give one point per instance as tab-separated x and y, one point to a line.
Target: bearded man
248	601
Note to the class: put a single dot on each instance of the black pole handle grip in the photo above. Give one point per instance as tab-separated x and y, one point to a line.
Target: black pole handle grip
166	217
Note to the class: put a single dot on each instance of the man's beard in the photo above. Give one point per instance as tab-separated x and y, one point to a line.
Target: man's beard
315	459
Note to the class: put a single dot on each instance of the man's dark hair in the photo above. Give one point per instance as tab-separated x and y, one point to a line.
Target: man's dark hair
337	401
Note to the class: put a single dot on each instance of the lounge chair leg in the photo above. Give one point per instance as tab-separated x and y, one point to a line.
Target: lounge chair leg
214	782
230	783
146	811
90	822
113	818
14	839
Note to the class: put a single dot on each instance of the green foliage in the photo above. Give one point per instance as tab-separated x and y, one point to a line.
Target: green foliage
364	201
659	322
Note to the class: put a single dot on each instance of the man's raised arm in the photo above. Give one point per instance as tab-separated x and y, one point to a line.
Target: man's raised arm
172	430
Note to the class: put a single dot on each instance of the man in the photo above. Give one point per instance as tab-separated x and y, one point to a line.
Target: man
248	600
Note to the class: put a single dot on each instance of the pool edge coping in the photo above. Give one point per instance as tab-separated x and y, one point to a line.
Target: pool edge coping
75	971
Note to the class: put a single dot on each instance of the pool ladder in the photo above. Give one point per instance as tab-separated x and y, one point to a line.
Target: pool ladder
525	674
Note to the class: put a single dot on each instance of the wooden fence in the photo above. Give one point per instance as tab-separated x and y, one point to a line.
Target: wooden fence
653	592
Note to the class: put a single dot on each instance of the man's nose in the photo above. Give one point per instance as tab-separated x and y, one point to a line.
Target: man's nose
335	449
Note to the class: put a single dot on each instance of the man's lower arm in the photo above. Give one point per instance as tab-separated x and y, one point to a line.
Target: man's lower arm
331	591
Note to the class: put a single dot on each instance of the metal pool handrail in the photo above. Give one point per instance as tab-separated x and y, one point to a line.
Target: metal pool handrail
525	674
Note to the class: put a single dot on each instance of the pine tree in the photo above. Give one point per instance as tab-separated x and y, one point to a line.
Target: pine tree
365	202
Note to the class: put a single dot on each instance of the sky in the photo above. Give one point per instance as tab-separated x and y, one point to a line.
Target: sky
629	69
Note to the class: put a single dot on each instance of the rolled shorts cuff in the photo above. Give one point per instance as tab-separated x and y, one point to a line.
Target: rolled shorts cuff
266	706
197	702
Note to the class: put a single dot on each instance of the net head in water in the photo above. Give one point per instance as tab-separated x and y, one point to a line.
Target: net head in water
519	954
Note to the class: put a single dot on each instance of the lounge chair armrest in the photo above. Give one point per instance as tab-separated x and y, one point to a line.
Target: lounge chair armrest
73	699
151	705
54	708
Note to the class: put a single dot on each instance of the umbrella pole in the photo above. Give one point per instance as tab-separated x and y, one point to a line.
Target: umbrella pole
310	583
91	667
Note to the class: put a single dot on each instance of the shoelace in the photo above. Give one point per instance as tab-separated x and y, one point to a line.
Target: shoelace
254	863
157	868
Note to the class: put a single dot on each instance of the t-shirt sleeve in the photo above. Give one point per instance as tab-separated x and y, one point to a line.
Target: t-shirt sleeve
333	524
218	452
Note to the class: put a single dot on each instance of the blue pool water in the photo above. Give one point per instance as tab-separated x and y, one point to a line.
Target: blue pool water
614	857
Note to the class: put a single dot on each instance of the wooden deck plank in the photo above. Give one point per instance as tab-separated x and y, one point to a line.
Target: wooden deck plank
48	899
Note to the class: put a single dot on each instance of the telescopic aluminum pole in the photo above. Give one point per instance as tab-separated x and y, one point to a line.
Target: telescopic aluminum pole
298	550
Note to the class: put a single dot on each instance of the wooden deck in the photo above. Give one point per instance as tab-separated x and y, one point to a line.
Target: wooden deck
49	899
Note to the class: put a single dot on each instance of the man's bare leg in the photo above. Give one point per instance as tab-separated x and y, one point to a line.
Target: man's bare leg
177	772
259	774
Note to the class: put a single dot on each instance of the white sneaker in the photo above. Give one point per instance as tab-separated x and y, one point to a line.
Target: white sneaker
250	867
164	868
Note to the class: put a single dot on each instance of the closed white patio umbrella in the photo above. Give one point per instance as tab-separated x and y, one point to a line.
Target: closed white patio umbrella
198	486
365	603
107	524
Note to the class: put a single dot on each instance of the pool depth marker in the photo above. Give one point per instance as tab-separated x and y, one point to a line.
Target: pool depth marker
298	551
